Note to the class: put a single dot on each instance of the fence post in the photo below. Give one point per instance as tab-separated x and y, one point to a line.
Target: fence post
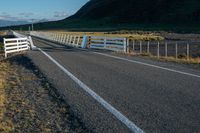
66	41
84	42
148	47
166	52
133	45
140	47
188	51
70	40
176	50
78	40
104	42
125	45
17	45
158	50
74	41
5	47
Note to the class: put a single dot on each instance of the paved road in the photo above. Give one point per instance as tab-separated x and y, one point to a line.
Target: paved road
155	99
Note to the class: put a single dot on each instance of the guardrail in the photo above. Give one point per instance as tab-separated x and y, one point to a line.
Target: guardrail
15	45
111	43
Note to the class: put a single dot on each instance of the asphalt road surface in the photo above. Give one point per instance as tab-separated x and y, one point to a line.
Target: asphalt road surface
157	97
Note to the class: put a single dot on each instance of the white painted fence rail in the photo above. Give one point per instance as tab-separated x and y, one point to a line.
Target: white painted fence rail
15	45
71	40
114	44
108	43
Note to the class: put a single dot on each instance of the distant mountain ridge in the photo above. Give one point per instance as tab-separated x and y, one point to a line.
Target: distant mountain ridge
141	11
4	23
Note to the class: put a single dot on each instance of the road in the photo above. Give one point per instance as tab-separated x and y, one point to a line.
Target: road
155	96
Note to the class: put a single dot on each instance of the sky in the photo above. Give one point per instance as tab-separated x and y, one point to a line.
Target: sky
36	10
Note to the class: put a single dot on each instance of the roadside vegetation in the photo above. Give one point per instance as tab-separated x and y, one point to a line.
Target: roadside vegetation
182	59
6	125
119	34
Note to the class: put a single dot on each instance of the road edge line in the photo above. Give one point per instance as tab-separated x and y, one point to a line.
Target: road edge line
132	127
146	64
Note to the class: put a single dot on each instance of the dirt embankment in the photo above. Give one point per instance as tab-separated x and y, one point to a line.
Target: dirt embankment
29	103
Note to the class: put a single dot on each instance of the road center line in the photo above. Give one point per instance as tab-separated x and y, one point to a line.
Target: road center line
98	98
146	64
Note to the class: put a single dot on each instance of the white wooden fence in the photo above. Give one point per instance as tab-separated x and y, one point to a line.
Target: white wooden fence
71	40
111	43
114	44
15	45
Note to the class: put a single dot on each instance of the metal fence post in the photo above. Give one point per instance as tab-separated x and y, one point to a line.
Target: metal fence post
158	50
148	43
166	52
140	47
125	44
176	47
188	51
104	42
133	45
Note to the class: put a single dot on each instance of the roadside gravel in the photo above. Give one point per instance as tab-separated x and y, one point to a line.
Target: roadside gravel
33	104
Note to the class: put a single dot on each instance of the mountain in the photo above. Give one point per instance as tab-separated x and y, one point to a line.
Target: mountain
4	23
141	11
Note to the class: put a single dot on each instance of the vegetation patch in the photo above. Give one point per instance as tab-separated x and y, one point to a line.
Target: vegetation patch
120	34
180	59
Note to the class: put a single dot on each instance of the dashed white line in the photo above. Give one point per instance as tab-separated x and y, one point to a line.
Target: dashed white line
98	98
146	64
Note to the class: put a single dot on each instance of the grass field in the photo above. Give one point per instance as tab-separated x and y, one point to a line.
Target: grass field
119	34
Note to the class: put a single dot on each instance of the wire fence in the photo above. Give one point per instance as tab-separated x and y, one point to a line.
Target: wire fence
177	49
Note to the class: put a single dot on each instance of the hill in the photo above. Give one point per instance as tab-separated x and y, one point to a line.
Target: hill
173	15
141	11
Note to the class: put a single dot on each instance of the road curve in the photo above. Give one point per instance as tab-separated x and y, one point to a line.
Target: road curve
154	99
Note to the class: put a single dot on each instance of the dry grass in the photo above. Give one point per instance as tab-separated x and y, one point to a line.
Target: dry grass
5	124
2	33
183	60
134	36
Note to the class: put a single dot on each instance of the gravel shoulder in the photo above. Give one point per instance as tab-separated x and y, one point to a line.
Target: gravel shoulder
29	103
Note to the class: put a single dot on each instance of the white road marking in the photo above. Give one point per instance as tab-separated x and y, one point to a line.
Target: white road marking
146	64
98	98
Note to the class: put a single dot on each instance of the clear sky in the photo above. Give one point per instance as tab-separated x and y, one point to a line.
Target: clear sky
39	9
